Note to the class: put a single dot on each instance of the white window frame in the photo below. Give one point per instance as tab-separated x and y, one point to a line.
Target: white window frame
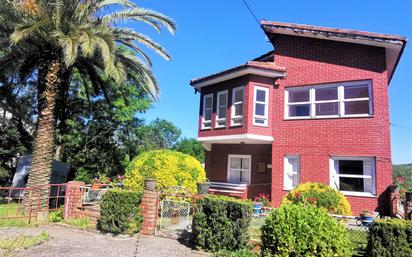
204	109
239	117
230	156
341	100
219	104
266	103
285	172
334	175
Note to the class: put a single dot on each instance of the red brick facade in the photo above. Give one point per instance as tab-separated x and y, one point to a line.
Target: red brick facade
311	62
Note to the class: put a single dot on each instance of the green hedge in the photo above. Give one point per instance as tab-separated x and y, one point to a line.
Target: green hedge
303	231
120	212
221	223
390	238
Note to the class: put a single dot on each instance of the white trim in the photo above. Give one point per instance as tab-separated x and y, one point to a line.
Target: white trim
232	112
204	109
239	73
232	137
334	174
218	104
340	100
266	103
249	169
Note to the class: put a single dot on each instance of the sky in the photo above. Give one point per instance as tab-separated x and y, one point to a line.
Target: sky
217	34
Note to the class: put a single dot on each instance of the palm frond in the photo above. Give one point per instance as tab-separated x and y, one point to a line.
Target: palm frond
127	34
105	3
134	47
25	30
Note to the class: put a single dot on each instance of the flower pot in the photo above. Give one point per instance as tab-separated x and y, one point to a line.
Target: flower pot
203	188
366	221
150	184
257	207
96	186
408	196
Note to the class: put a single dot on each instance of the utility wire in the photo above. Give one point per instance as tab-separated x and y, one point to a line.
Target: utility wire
251	12
400	126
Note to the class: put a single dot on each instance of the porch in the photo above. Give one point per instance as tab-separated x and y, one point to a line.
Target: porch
239	170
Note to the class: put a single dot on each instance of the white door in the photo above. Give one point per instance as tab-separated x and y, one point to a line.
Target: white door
239	169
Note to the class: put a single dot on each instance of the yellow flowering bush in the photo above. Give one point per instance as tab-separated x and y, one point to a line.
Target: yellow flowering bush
321	196
169	168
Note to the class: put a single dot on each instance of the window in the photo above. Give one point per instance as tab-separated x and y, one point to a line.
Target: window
221	109
260	115
353	176
352	99
292	171
207	111
237	106
239	169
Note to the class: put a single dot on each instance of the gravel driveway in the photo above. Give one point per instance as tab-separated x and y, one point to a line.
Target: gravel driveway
73	242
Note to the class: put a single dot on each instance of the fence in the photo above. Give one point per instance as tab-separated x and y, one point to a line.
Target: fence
18	205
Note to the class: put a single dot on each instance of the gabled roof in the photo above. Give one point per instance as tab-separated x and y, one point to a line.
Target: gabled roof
267	69
393	44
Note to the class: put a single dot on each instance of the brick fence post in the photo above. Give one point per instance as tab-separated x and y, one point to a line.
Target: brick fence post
150	210
73	198
394	199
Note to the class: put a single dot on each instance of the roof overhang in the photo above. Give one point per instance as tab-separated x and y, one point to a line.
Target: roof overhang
234	139
394	45
264	69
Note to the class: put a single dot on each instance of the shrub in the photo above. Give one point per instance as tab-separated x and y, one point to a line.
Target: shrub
321	196
120	212
390	238
221	223
56	216
237	253
297	230
168	167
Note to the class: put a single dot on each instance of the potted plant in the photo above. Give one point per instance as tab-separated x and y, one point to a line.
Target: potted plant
367	217
261	203
96	184
150	184
203	187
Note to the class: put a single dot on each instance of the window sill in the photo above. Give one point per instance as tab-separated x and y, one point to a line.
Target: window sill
234	126
203	129
359	194
328	118
222	127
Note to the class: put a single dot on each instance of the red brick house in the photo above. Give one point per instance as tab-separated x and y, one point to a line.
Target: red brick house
314	109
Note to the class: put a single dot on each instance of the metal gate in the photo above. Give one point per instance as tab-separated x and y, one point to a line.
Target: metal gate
175	213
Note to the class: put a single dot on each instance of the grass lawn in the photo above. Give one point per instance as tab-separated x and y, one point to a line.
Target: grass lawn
12	216
21	242
81	223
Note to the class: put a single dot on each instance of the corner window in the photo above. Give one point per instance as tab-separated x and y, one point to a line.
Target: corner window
260	114
221	109
237	106
353	176
239	168
207	111
292	172
352	99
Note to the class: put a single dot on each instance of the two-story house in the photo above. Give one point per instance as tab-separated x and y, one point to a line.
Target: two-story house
313	109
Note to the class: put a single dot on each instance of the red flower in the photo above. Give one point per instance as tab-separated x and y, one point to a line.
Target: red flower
110	179
298	194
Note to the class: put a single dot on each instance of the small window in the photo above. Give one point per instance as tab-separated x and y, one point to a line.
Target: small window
352	99
239	168
354	175
292	172
237	106
260	115
207	111
221	109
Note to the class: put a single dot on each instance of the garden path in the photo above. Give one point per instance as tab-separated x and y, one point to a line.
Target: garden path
73	242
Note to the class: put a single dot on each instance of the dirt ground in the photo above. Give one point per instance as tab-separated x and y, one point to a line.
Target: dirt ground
73	242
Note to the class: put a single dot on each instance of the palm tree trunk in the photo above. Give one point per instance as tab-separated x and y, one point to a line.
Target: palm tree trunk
44	141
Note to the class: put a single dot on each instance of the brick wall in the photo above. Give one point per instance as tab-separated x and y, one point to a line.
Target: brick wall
313	61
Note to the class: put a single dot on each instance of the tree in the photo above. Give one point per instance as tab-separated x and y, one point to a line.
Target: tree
191	147
52	38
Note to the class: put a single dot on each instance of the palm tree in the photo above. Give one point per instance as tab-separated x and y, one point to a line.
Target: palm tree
52	39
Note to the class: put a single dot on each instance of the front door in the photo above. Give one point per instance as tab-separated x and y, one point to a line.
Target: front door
239	168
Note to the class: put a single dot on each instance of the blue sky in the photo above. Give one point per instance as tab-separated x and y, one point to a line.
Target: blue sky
216	34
